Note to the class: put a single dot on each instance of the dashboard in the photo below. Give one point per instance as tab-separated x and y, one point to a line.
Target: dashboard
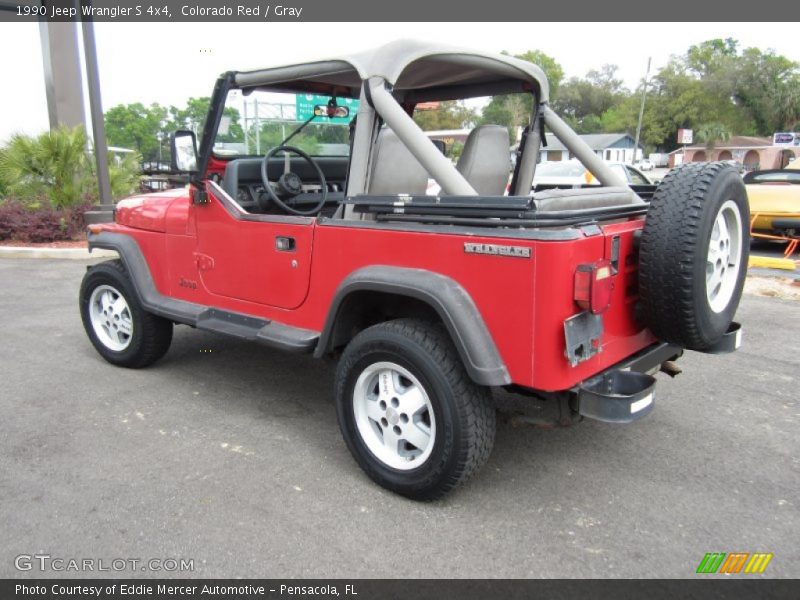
242	178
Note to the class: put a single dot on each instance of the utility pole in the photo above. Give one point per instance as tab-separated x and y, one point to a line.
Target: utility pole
641	112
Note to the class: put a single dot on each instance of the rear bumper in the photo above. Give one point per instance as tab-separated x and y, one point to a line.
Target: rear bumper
625	392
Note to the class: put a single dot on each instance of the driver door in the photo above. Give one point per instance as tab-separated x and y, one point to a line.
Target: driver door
265	259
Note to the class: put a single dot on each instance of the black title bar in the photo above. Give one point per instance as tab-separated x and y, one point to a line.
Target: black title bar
254	11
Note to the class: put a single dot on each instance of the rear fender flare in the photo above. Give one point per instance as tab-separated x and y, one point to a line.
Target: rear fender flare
446	297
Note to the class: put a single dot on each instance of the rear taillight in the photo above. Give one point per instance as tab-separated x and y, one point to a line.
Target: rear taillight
593	286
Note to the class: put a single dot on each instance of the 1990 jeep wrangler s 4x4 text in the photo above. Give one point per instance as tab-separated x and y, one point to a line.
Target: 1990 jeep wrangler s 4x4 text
574	296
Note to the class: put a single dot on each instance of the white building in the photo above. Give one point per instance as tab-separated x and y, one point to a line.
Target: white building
613	147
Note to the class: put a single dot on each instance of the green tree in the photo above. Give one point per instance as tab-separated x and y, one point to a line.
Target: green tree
711	57
514	110
552	69
449	114
193	117
146	129
138	127
768	87
581	102
677	98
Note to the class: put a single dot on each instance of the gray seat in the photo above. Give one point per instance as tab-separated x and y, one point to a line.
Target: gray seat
394	169
485	162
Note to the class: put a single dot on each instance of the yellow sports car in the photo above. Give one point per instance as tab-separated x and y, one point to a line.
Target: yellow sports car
775	201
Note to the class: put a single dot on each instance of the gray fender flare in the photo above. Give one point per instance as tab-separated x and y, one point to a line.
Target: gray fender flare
447	297
179	311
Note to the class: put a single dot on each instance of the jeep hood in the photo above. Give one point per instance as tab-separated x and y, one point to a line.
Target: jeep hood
147	211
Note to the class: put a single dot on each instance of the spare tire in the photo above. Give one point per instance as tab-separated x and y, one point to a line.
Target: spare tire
693	254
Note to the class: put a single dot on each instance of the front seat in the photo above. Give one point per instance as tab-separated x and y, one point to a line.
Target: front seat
485	161
394	169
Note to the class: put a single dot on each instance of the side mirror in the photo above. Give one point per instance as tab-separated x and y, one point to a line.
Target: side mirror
184	151
333	112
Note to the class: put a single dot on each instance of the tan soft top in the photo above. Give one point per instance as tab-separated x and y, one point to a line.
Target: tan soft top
424	70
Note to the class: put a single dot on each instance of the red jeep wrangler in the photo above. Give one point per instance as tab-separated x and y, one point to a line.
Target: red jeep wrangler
331	243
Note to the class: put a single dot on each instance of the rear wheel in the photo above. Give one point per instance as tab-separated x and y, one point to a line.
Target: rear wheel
115	321
409	413
693	254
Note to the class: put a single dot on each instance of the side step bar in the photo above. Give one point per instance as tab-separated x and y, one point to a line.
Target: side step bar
269	333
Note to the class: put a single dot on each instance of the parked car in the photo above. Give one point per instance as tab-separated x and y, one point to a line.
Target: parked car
645	165
573	172
774	197
575	297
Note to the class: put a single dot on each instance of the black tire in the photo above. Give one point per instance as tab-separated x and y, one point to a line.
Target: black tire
151	335
465	416
673	251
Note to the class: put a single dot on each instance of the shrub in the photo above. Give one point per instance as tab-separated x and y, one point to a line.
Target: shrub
124	175
51	167
44	224
54	169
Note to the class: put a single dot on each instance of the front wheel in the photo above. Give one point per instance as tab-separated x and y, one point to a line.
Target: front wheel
409	413
120	329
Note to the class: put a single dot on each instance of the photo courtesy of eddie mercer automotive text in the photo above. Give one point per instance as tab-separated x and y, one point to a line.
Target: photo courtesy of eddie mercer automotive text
410	250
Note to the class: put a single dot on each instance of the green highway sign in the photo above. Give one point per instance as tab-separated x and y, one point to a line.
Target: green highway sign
305	104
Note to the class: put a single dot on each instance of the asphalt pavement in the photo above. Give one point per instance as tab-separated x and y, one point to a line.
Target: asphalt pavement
228	454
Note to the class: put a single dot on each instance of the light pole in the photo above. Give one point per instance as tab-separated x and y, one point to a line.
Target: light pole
641	112
160	138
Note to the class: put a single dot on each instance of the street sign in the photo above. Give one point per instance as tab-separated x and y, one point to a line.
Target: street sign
685	136
305	104
786	138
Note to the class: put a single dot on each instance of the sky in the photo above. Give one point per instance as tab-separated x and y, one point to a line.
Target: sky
170	62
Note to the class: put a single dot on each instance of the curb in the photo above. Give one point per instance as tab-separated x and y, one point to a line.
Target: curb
57	253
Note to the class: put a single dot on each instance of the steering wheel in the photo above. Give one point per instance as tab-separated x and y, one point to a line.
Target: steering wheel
289	184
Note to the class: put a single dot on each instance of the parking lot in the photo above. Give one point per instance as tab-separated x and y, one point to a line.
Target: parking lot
229	454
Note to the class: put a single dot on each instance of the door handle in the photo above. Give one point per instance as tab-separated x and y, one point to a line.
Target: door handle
284	244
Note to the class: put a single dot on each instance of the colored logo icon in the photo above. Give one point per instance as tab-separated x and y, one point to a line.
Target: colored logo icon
734	562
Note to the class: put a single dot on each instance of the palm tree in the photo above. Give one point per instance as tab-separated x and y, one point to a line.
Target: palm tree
52	167
711	133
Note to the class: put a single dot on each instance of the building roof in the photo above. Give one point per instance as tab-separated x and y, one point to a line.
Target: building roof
736	142
596	141
407	65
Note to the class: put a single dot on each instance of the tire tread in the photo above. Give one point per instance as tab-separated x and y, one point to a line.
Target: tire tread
475	410
156	331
